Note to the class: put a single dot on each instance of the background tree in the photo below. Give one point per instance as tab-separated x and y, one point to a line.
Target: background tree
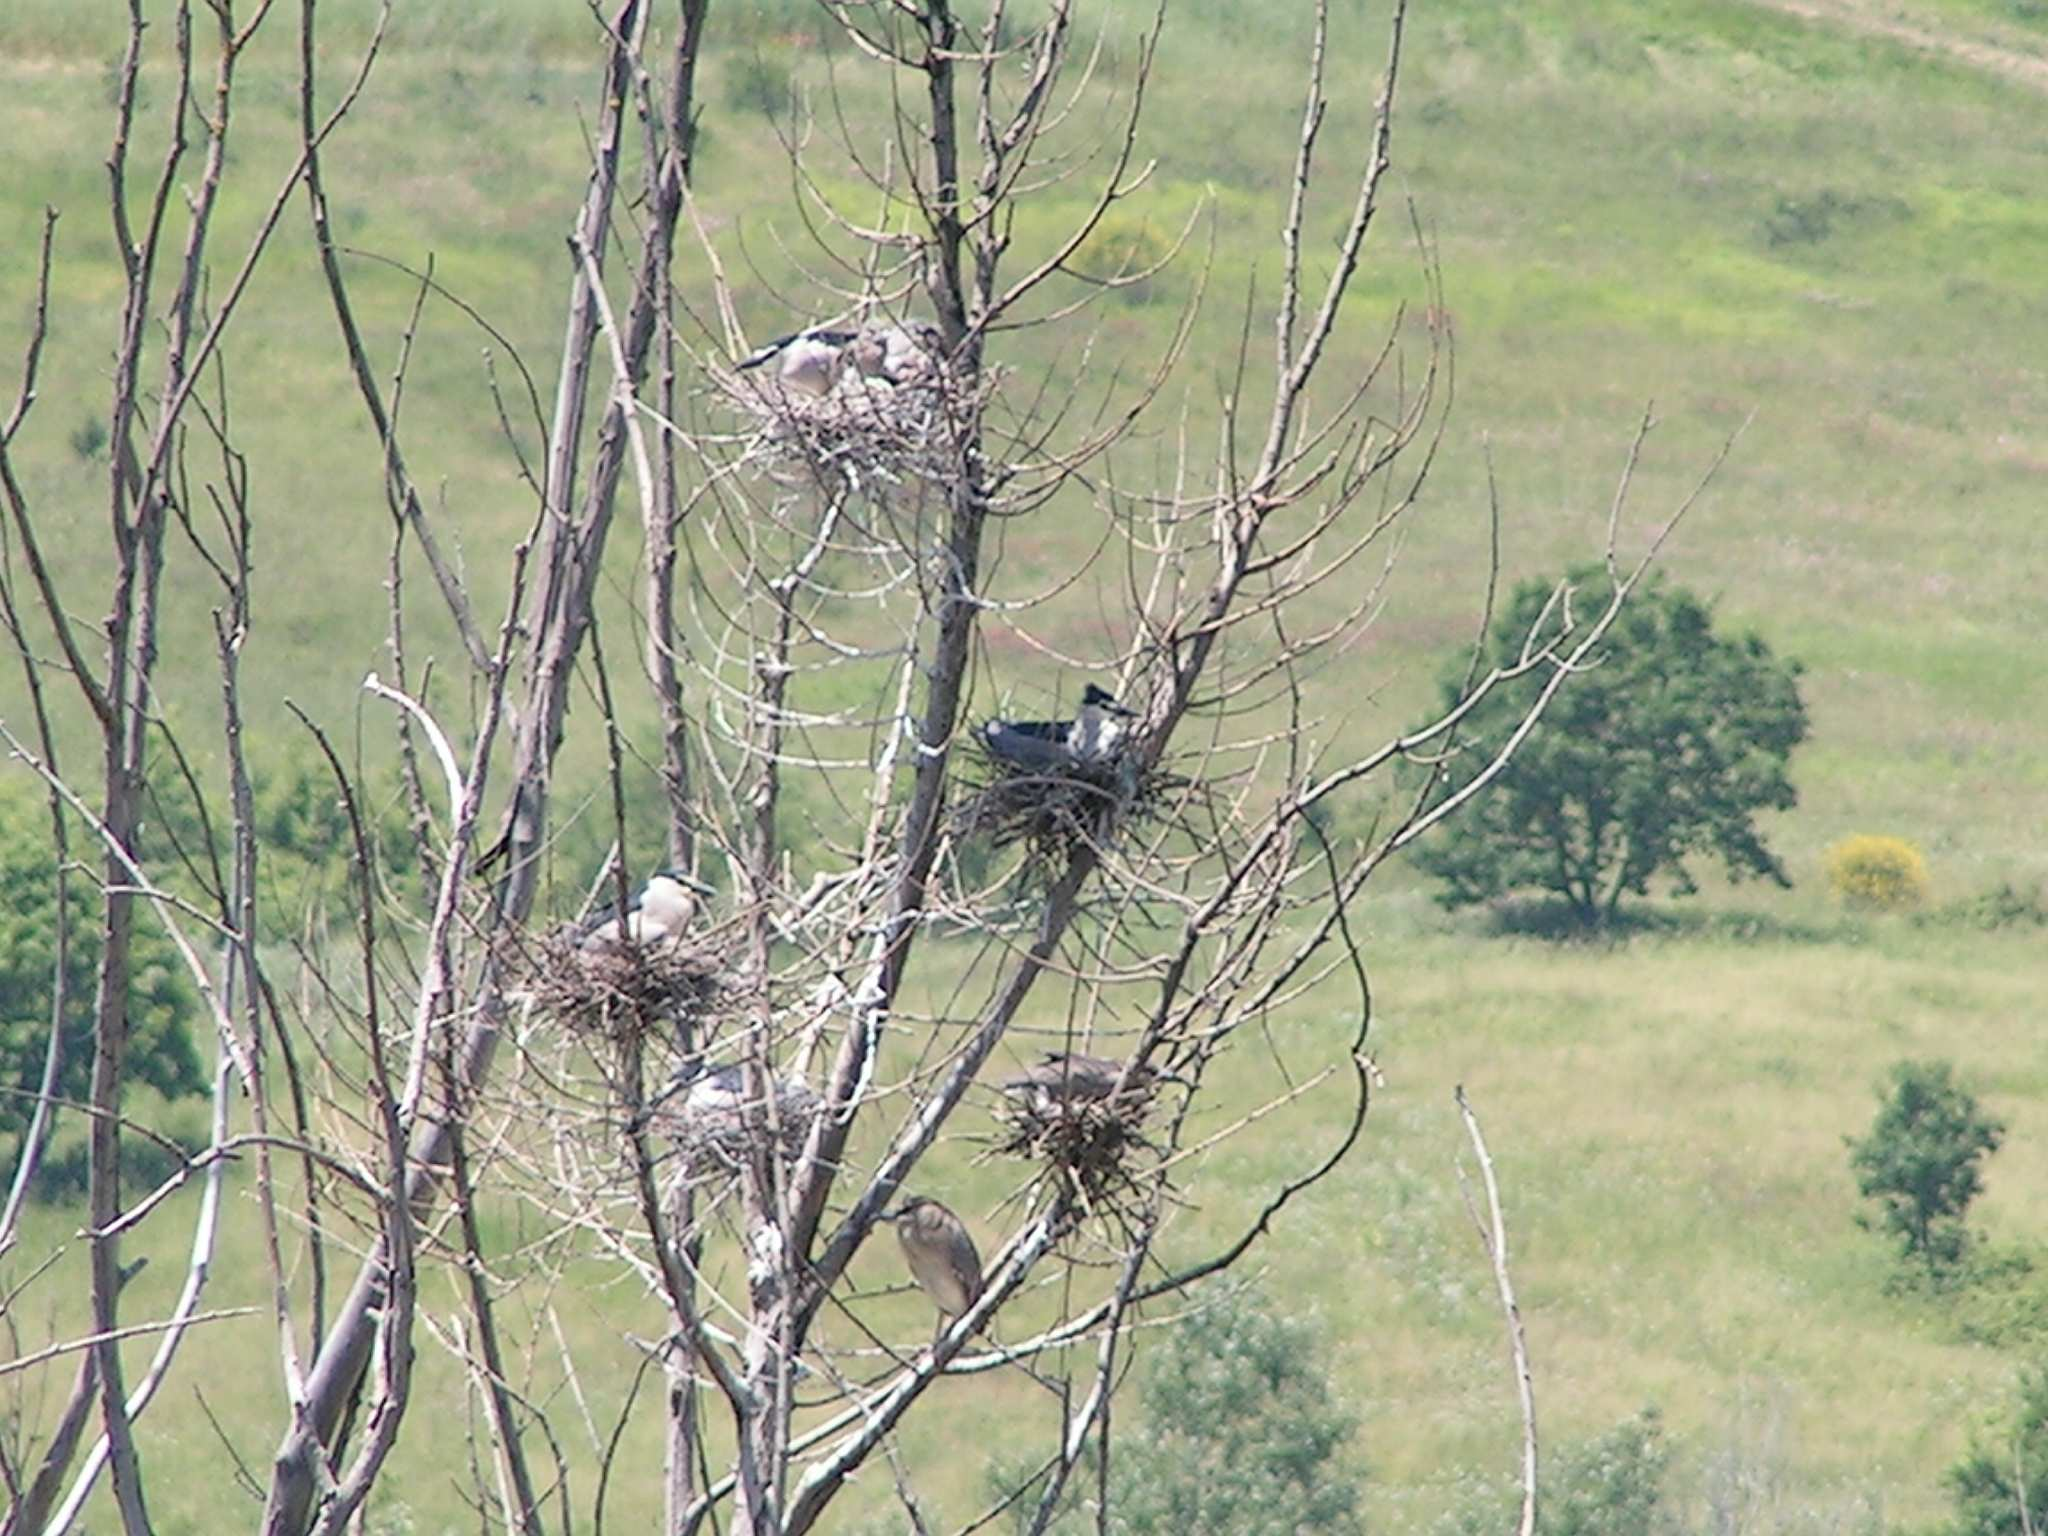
2000	1486
1921	1161
161	1003
1243	1435
1665	743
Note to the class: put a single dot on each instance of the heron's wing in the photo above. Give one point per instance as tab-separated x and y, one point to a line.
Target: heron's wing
601	917
1026	749
762	354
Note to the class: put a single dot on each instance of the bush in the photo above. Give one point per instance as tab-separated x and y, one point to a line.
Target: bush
1920	1162
160	999
1240	1438
1878	874
2005	905
1984	1485
1612	1485
1666	745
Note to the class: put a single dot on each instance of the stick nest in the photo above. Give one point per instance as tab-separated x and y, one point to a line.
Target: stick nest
1055	815
1090	1147
713	1142
868	432
620	993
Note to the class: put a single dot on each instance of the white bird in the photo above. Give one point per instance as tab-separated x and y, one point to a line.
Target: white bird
666	906
1094	733
720	1087
805	361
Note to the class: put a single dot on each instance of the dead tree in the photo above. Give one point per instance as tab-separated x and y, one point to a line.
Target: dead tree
903	919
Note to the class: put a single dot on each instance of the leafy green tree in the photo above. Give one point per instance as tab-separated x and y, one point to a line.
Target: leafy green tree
1612	1485
1609	1485
2004	1466
1239	1437
1920	1161
1667	745
160	997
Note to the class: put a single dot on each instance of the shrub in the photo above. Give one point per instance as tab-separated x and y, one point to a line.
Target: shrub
2005	905
1240	1438
160	1000
1879	874
1985	1486
1920	1161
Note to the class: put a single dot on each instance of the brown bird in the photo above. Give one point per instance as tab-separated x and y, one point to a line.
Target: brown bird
942	1257
1068	1077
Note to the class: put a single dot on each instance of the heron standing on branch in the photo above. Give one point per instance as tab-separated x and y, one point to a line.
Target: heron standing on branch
942	1256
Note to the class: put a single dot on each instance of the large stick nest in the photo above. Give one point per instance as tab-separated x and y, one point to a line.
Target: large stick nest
870	432
624	992
1055	815
1089	1147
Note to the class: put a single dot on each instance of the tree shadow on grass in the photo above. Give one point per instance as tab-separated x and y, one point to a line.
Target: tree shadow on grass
1558	922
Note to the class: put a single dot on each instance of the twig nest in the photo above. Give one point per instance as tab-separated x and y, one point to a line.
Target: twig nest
621	991
1087	1145
874	432
715	1125
1056	810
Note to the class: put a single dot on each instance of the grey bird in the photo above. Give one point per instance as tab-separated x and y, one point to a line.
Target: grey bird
720	1087
805	361
1094	734
1069	1077
942	1257
667	904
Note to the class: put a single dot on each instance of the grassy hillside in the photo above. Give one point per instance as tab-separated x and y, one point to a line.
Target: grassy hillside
1726	208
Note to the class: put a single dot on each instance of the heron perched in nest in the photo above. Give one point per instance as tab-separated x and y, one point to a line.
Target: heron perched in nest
1052	746
1066	1078
704	1108
715	1088
807	362
664	910
812	361
942	1256
898	352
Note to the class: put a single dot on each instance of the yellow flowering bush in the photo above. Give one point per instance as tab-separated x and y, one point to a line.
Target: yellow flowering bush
1882	874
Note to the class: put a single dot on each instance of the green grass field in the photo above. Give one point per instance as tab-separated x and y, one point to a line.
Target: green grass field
1719	207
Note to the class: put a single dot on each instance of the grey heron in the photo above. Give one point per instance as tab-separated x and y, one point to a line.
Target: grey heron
1069	1077
1095	733
805	361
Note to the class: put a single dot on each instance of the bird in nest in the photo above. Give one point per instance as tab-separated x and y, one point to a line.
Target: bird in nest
811	362
663	910
1094	735
1066	1078
942	1257
720	1088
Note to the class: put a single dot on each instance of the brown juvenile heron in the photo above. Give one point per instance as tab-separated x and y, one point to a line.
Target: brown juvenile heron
1069	1077
942	1256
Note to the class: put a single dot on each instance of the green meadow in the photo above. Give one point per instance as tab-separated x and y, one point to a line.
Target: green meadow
1826	240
